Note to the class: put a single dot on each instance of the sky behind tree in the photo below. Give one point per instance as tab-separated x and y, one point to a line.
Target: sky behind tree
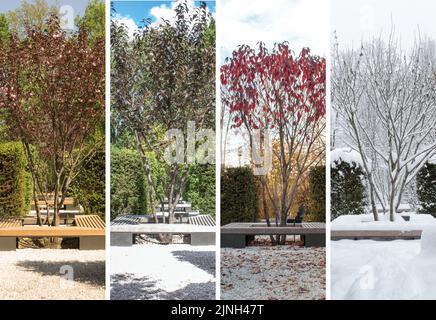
359	20
78	6
132	13
303	23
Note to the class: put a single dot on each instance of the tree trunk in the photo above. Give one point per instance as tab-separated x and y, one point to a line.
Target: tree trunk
147	171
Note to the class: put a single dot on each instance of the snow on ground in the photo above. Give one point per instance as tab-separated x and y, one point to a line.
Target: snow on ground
37	274
279	272
366	222
400	269
163	272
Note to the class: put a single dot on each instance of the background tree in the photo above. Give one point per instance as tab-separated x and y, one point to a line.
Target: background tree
4	28
93	20
54	99
30	14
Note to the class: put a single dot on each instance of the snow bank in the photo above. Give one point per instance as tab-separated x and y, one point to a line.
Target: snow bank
428	242
368	269
366	222
346	155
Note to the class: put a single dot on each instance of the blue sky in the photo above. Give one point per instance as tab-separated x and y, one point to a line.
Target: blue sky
142	9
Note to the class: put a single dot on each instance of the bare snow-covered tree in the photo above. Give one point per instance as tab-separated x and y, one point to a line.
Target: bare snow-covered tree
386	101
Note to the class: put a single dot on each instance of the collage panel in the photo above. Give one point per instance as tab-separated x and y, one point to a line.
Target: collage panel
163	150
52	150
273	130
383	125
183	151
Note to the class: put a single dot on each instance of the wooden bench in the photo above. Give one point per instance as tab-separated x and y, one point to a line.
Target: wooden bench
124	229
375	234
237	235
93	222
91	235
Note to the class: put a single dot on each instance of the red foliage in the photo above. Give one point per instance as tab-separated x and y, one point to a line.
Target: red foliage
270	90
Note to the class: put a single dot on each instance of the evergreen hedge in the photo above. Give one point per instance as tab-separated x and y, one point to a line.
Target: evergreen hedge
128	185
426	188
347	189
15	180
200	189
316	208
239	201
88	189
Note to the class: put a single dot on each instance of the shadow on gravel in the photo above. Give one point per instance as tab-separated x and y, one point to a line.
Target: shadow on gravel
92	273
205	260
129	287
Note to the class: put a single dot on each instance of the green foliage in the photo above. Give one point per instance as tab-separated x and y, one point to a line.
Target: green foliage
4	28
239	202
128	191
88	189
426	188
316	204
30	14
93	20
15	181
347	189
200	189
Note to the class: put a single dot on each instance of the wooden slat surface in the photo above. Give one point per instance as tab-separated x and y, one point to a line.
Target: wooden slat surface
89	221
10	222
376	234
126	220
263	229
44	231
158	228
202	220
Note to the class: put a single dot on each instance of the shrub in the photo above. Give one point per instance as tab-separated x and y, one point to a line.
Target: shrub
128	185
15	180
239	201
316	194
88	189
200	189
426	188
347	189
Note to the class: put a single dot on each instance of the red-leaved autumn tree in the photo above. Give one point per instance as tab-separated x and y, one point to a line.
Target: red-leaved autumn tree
283	94
52	97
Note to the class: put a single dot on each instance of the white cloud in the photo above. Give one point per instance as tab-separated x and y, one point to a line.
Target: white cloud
165	12
301	23
129	23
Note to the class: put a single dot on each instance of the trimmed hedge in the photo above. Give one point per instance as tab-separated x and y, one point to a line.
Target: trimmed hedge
200	189
347	189
15	180
88	189
239	201
128	185
316	206
426	188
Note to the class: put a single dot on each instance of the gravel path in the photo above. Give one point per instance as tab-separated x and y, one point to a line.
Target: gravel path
270	273
36	274
170	272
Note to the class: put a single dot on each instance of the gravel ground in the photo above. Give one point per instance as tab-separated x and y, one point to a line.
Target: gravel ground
36	274
273	273
158	272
